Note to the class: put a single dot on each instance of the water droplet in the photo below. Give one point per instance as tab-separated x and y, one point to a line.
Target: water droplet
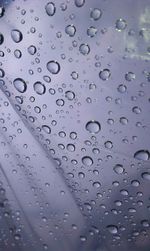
46	129
20	85
121	24
118	169
93	126
39	88
123	121
87	161
2	11
69	95
71	147
1	38
136	110
50	9
142	155
96	184
83	238
145	223
70	30
79	3
53	67
17	53
135	183
17	237
146	176
16	36
108	144
81	175
32	49
124	192
129	76
84	49
91	31
96	14
105	74
112	229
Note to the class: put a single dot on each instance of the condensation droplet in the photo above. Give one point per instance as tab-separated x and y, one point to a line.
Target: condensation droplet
93	126
70	30
87	161
112	229
39	88
46	129
146	176
118	169
53	67
105	74
84	49
1	38
142	155
20	85
79	3
50	9
96	14
121	24
16	36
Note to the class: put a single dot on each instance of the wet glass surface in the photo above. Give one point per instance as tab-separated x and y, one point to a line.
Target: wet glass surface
74	125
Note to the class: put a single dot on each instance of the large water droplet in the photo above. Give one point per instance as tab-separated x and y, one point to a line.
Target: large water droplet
39	88
87	161
93	126
105	74
46	129
16	36
50	9
20	85
91	31
121	24
84	49
142	155
112	229
53	67
146	176
118	169
70	30
1	38
96	14
79	3
2	11
32	49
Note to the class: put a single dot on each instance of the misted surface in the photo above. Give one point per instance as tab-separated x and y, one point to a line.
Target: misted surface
74	125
